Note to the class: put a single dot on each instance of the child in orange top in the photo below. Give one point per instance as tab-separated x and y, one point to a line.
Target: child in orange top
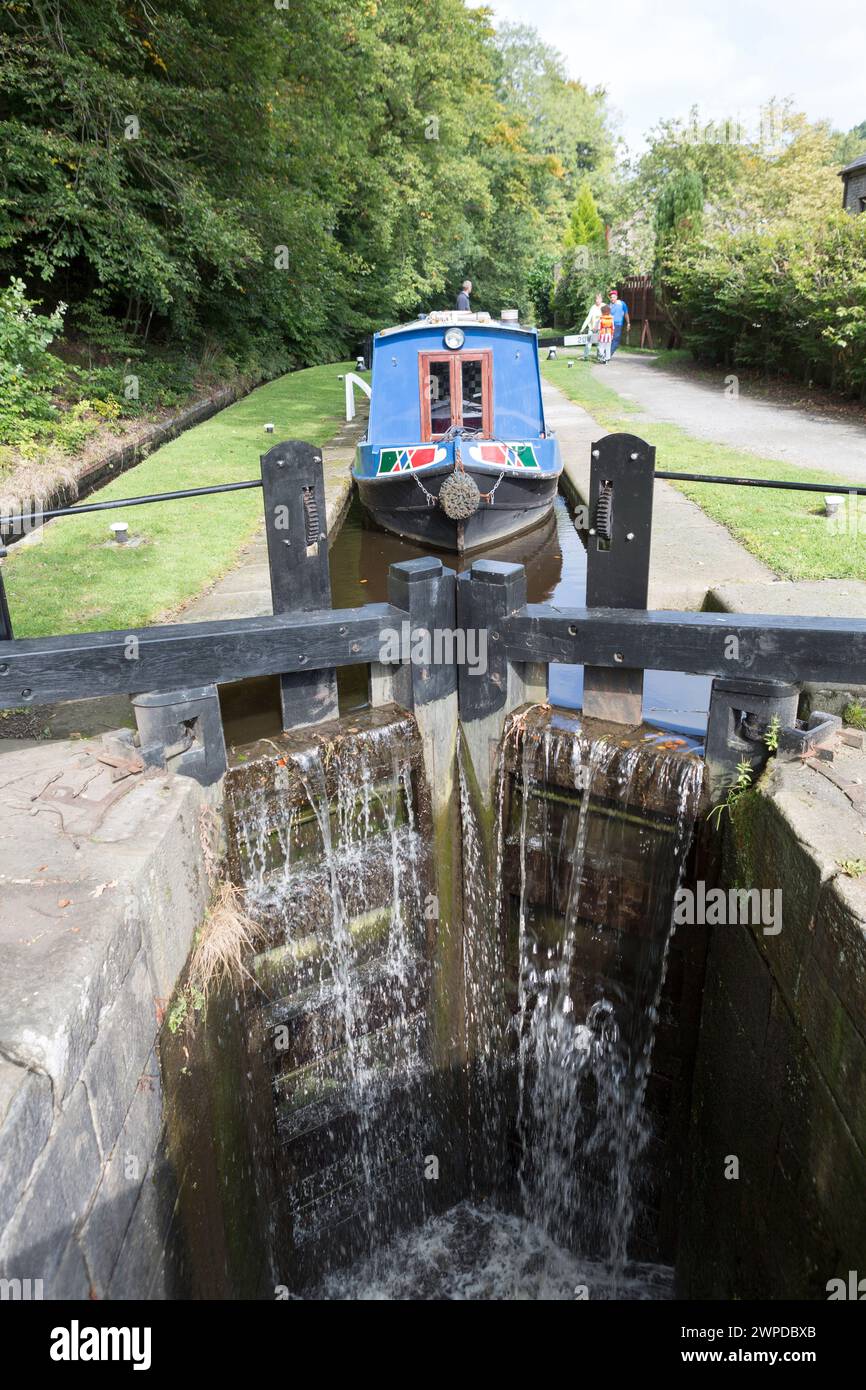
605	333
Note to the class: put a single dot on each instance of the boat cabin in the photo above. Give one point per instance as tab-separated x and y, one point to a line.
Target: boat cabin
455	370
456	453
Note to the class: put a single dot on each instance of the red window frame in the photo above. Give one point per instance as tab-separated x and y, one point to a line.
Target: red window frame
455	361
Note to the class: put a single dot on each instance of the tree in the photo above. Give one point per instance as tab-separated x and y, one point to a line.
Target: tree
851	145
680	207
585	227
567	120
279	180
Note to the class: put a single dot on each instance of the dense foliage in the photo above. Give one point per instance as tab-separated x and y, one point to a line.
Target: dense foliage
214	187
275	180
755	262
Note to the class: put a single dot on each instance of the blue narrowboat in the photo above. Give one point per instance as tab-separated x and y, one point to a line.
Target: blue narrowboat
456	454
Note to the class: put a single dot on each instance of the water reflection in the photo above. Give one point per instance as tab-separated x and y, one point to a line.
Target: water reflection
555	562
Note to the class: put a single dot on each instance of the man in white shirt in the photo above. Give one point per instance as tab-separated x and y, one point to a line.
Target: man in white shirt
590	325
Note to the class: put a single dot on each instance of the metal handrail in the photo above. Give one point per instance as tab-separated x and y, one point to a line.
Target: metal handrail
147	498
762	482
843	488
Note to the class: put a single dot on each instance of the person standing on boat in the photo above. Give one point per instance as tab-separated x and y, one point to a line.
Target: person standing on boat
590	326
463	296
619	310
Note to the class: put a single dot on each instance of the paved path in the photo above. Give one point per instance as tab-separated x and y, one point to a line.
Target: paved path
245	592
690	553
783	432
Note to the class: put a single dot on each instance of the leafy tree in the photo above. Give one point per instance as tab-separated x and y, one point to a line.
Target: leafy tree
582	279
567	120
851	145
28	371
278	181
680	207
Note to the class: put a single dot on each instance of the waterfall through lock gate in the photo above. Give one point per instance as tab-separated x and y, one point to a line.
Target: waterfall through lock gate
333	852
594	907
528	1164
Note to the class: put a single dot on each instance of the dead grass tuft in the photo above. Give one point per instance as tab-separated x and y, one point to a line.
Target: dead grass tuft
228	935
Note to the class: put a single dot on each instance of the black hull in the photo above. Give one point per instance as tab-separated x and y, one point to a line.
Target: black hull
398	504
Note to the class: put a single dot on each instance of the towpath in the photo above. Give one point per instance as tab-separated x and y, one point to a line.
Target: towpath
691	553
695	562
706	410
245	592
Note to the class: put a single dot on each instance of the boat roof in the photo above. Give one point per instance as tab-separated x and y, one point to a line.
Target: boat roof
444	318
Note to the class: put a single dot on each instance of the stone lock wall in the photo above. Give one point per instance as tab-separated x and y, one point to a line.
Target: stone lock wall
780	1079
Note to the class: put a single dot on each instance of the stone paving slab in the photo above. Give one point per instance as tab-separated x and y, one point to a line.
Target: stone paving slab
817	598
690	553
90	870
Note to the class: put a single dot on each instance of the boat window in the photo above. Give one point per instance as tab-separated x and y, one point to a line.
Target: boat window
473	395
456	389
439	397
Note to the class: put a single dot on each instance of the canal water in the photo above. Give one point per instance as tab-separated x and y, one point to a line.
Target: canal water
555	561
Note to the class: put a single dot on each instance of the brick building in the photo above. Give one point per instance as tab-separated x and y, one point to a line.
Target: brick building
853	178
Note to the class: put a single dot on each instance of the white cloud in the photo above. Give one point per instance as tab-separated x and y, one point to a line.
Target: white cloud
728	58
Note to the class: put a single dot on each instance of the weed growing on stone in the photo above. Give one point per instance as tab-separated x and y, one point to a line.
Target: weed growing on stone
854	715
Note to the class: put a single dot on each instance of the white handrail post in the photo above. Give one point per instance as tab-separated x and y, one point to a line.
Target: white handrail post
352	380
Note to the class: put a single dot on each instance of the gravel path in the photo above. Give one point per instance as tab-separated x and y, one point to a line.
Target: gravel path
776	431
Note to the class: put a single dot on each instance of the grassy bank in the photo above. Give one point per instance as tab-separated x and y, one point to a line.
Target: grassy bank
786	530
73	581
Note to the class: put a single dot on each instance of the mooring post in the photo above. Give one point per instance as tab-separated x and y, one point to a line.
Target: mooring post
426	683
296	525
491	685
617	563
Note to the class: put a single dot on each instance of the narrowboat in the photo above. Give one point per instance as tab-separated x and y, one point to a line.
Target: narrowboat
456	454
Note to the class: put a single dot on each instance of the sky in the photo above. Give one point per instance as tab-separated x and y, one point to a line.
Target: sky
729	57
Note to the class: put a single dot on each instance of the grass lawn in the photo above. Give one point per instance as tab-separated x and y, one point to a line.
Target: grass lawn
71	581
786	530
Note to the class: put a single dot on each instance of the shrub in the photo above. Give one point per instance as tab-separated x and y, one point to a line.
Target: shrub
28	371
788	299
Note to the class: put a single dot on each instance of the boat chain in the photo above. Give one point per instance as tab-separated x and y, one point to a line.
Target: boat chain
458	465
